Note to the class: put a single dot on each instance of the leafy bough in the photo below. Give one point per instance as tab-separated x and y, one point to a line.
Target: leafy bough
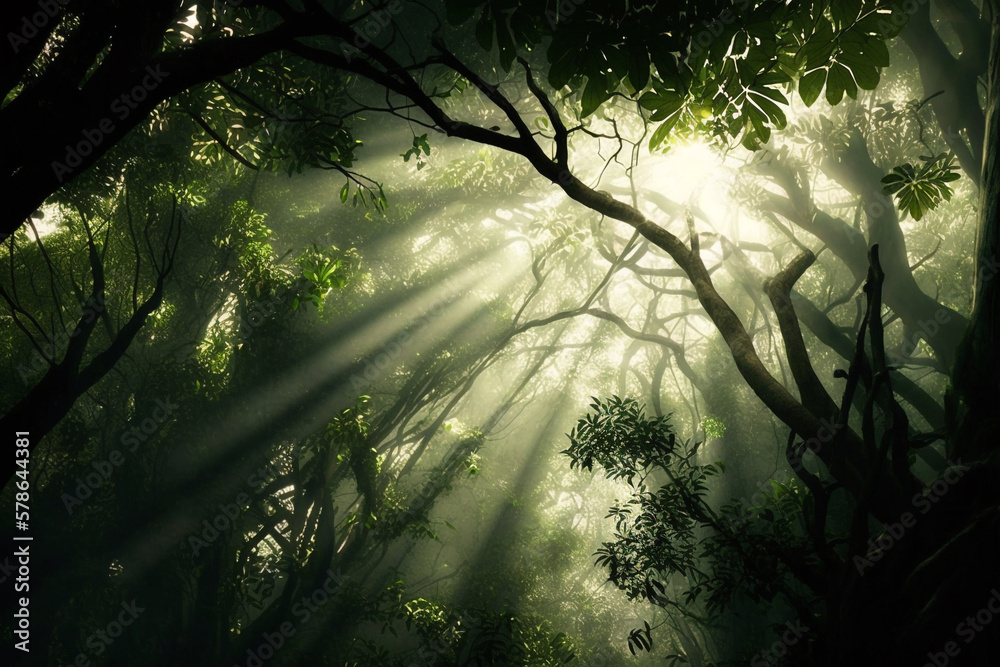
667	532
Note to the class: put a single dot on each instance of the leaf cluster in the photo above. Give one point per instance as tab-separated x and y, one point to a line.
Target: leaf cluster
920	189
324	271
725	67
667	533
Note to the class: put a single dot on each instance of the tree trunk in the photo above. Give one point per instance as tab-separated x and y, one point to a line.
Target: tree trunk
977	373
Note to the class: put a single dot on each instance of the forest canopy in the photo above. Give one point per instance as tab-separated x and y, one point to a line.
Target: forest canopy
521	332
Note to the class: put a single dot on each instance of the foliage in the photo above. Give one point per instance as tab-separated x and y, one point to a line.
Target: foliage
713	427
655	530
487	171
722	67
339	496
281	114
248	235
921	189
666	533
479	637
324	271
419	149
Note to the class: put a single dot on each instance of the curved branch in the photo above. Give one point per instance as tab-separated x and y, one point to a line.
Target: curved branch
778	289
52	398
561	135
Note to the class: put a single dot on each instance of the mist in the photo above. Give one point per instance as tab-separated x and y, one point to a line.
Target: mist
501	334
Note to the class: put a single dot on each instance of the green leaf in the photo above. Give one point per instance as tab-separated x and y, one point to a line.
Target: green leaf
838	81
506	43
771	93
420	143
617	61
652	100
819	48
866	76
667	66
811	85
779	488
877	51
771	78
594	95
668	108
561	71
844	12
344	191
484	31
566	43
523	27
864	71
638	67
759	122
920	191
763	98
662	131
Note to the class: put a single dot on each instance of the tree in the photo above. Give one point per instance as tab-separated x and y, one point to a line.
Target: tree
382	68
229	325
731	86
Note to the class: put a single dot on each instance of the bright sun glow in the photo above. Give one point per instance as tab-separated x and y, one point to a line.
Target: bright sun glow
687	171
696	176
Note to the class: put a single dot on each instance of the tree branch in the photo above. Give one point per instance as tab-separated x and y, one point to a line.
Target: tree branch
778	289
